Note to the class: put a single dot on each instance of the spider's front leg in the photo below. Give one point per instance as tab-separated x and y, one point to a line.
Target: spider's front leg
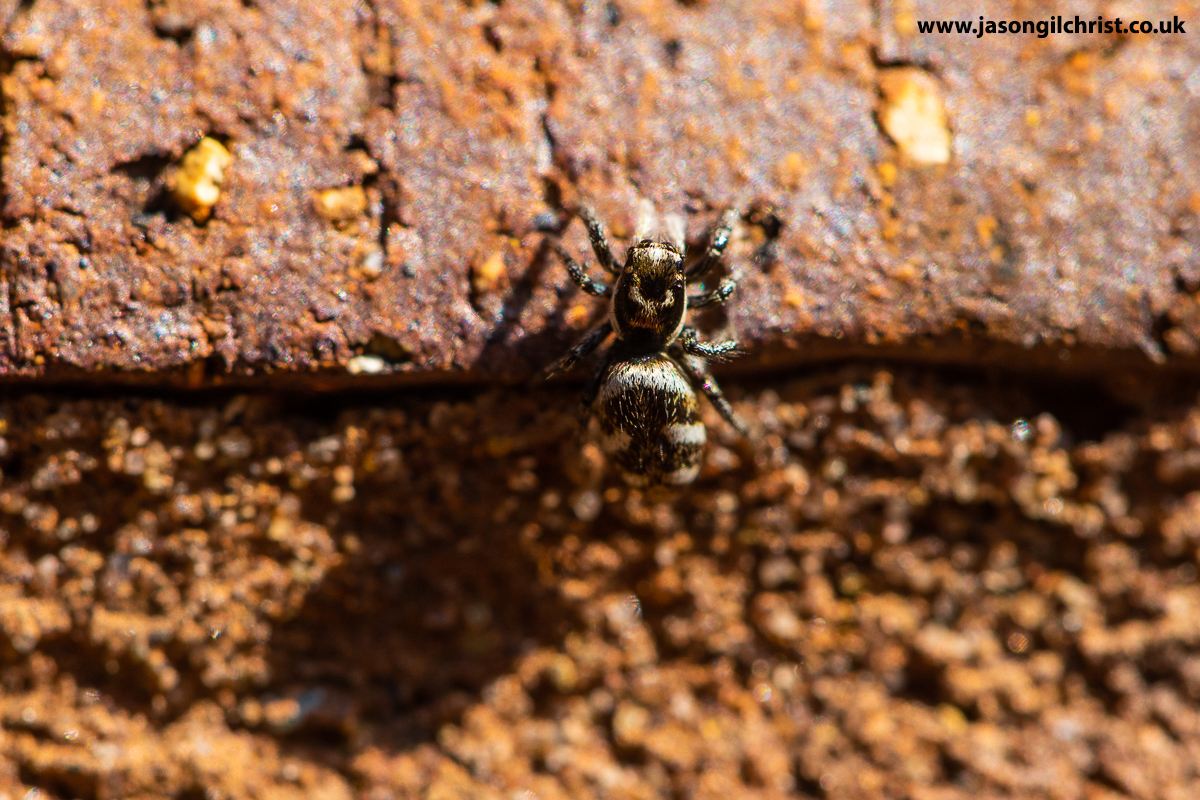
604	253
577	274
714	297
720	238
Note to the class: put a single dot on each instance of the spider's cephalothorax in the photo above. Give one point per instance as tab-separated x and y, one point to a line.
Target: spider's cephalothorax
649	415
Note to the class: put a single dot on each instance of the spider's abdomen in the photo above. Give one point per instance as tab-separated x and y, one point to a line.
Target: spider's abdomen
650	421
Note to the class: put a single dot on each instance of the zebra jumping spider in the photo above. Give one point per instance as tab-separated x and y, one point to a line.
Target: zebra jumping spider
649	415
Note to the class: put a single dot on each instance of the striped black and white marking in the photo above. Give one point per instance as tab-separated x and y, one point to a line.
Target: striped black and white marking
643	389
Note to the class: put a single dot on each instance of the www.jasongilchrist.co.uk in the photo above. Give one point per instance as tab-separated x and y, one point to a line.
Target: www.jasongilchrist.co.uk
1056	24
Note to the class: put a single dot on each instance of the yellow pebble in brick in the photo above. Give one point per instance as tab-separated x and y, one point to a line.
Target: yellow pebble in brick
577	314
795	298
887	174
913	115
985	228
341	205
486	276
791	170
196	185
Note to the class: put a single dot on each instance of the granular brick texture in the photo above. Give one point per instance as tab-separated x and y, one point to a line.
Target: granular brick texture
903	587
1067	213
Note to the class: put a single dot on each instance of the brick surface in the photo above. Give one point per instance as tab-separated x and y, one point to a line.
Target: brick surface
1067	213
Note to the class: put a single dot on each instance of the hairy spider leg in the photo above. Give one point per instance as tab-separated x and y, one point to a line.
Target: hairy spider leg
599	241
714	297
716	247
594	338
697	372
689	342
577	274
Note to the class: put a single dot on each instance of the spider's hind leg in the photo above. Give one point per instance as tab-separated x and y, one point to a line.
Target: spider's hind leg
697	372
